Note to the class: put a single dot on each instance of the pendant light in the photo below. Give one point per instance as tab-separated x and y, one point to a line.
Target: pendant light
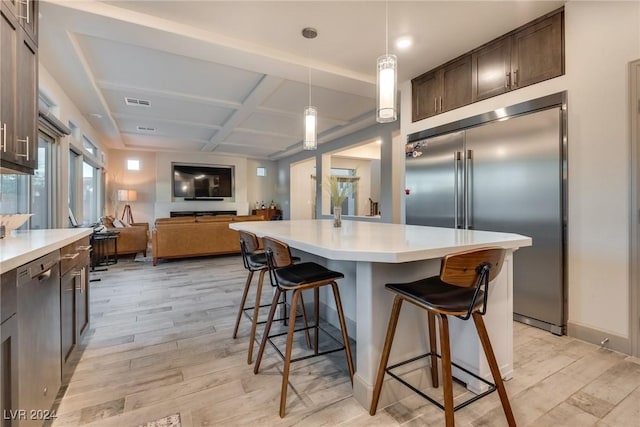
310	141
387	79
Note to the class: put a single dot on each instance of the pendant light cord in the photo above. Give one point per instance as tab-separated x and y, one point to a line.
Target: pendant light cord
309	85
386	27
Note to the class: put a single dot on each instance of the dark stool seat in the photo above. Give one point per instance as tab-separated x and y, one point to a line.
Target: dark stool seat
287	276
460	290
255	260
435	294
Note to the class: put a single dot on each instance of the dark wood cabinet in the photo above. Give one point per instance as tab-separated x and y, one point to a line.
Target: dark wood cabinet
8	346
74	299
537	52
492	69
268	214
527	55
19	86
443	89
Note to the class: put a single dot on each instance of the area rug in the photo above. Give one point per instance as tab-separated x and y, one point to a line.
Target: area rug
169	421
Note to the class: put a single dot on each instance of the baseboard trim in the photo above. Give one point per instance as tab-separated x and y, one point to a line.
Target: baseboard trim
596	336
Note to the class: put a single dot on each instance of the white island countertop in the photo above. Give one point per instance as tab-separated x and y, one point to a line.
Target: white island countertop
378	242
21	247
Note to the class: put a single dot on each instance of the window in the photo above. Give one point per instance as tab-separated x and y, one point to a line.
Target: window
90	192
133	164
260	171
15	194
73	181
42	188
89	146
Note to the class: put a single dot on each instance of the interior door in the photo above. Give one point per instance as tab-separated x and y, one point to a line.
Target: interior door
515	177
433	179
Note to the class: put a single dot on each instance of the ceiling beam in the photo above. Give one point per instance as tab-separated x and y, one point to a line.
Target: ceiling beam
168	121
265	87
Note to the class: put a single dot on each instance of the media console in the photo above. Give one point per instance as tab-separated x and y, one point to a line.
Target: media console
174	214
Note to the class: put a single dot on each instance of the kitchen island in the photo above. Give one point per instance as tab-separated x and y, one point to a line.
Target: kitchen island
373	254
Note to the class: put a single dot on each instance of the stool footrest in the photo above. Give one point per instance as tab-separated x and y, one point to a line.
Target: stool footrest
297	359
492	386
262	322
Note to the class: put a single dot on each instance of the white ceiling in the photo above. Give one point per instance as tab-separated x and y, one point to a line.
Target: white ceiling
231	77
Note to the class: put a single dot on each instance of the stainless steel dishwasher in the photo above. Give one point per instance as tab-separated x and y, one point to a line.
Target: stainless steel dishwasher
38	338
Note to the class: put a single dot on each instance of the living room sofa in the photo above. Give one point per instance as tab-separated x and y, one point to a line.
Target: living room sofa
132	239
183	237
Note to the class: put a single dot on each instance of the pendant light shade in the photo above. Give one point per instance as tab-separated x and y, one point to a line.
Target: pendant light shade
387	73
387	89
310	141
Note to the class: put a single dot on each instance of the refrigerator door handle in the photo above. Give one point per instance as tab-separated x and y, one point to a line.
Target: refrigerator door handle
456	186
468	184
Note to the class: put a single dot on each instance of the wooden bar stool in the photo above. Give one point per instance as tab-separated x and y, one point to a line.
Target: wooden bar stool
288	276
255	260
460	290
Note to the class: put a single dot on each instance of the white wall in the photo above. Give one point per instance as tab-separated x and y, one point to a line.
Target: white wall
601	39
301	189
246	183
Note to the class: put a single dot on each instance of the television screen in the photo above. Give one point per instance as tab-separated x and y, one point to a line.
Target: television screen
202	181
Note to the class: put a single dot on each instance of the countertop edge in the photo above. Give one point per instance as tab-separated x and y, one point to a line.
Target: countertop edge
37	252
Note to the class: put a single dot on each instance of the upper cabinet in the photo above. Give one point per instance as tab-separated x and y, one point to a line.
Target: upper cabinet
527	55
443	89
18	86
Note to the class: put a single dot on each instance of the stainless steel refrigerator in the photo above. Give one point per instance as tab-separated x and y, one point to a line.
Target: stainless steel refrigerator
505	175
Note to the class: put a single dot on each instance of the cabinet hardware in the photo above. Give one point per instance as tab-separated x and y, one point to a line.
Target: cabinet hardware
83	248
26	17
76	274
507	80
71	256
515	78
435	104
26	141
4	138
441	104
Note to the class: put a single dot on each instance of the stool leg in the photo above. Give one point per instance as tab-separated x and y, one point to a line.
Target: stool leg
433	347
287	355
343	328
316	304
304	320
493	365
267	329
256	313
447	378
386	350
242	303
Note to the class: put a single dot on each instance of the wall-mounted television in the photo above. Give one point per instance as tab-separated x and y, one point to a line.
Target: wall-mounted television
202	182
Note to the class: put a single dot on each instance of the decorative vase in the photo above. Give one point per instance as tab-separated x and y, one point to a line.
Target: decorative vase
337	216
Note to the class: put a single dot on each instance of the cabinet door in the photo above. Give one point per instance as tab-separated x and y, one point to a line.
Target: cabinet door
492	69
67	314
9	371
29	18
456	84
8	73
82	303
426	91
538	52
27	96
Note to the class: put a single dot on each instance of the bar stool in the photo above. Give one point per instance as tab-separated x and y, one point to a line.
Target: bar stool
288	276
255	260
460	290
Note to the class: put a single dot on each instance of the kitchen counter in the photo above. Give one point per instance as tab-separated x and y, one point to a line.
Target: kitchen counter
21	247
371	254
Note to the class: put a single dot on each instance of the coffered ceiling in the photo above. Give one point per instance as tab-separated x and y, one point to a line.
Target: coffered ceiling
232	77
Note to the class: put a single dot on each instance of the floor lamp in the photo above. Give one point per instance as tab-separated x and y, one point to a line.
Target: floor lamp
127	196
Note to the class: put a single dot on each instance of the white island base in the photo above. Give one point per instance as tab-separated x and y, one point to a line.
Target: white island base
373	254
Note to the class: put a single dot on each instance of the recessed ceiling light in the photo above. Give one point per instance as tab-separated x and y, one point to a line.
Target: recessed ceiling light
404	42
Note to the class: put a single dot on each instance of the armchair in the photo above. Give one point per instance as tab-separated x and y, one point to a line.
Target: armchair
131	240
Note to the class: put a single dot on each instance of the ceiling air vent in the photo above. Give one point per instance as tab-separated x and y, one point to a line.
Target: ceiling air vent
145	129
136	102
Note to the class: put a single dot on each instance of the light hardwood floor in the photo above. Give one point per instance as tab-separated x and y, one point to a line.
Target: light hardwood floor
161	343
